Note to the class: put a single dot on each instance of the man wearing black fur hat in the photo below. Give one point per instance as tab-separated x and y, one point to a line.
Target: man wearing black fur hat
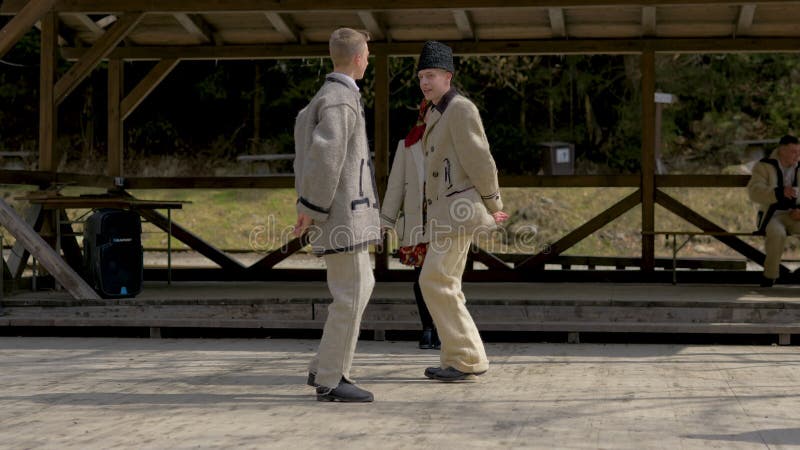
462	198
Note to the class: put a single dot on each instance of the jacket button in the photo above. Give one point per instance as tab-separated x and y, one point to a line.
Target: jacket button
431	149
435	174
430	202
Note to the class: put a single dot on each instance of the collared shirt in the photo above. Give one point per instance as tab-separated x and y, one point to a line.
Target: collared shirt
788	174
346	79
445	100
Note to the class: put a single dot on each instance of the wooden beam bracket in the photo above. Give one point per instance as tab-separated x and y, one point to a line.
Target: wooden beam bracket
147	85
102	48
577	235
12	32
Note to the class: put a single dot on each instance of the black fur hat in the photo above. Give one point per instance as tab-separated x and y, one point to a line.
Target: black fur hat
436	55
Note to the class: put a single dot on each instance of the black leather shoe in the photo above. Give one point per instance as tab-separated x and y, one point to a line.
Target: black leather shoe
312	380
344	392
430	372
451	374
437	344
767	282
426	339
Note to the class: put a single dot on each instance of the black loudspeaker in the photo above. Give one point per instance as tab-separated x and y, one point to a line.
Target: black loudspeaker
113	258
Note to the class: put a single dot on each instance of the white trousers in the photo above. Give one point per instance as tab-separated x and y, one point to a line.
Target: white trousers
350	281
778	228
440	280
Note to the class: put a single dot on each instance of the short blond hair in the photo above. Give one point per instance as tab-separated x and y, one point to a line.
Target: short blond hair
345	44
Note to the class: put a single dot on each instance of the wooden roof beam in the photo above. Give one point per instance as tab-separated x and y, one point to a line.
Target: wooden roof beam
745	20
649	21
557	22
88	23
13	31
102	48
209	6
548	47
464	24
106	21
285	26
196	26
371	23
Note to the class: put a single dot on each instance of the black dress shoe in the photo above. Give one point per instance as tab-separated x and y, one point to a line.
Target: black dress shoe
437	344
344	392
312	380
767	282
450	374
430	372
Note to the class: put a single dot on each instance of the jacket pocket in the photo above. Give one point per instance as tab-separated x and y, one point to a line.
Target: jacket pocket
459	191
466	211
361	202
400	227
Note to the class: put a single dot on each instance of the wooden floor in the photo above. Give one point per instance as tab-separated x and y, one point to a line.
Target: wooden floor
557	307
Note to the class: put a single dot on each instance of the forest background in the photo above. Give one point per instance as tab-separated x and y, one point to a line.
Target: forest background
208	113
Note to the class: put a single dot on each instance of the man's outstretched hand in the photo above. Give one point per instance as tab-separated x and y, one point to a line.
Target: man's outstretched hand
500	216
303	222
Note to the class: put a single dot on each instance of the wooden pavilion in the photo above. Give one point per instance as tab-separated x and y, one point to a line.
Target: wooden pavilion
168	31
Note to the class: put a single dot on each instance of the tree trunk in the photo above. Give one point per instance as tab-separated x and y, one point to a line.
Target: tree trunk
258	96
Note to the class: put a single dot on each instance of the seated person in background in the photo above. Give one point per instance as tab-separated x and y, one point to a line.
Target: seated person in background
773	187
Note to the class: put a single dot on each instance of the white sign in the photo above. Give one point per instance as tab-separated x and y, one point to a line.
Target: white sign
562	155
664	98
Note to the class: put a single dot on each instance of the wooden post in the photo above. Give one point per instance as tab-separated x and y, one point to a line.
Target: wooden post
382	144
48	108
648	67
258	98
115	125
659	165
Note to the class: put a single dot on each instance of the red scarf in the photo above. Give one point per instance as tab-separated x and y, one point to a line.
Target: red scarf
418	130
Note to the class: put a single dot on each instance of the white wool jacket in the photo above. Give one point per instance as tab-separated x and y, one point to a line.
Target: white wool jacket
402	205
334	174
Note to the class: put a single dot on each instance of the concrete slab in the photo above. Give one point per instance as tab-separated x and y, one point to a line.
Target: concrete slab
190	393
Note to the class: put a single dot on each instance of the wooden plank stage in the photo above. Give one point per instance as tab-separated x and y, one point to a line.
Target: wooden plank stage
550	307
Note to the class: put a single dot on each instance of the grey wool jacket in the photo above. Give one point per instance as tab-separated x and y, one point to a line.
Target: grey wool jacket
461	186
334	175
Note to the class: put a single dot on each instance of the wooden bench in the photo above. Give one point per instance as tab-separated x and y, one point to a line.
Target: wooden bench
15	160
